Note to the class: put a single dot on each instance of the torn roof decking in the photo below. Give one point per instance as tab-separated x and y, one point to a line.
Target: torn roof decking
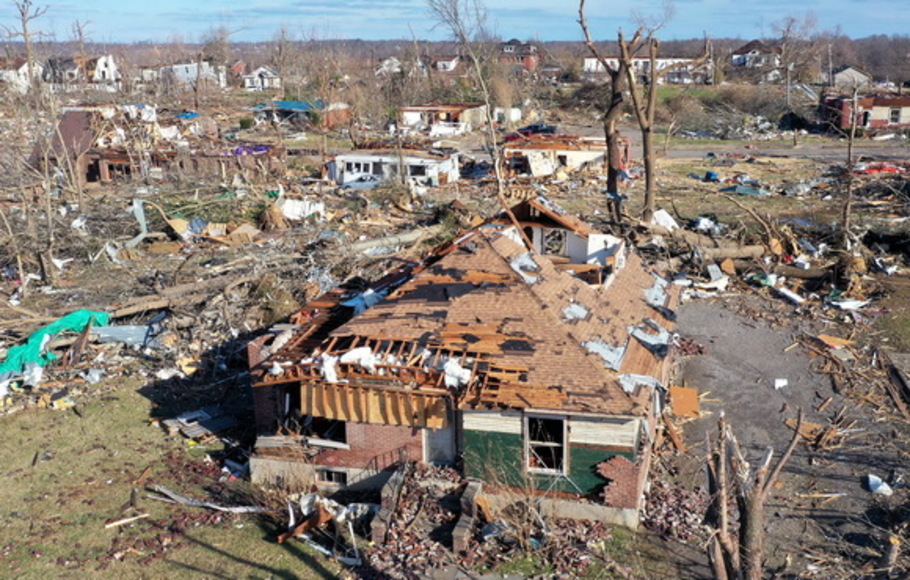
511	331
545	142
442	107
543	212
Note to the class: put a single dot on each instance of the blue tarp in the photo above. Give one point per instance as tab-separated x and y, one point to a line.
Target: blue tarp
302	106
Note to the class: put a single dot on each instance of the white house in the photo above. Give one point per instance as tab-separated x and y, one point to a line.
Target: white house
262	79
443	120
185	75
674	71
14	73
421	168
542	155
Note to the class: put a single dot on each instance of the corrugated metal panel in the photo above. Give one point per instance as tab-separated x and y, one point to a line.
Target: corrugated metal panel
493	421
614	432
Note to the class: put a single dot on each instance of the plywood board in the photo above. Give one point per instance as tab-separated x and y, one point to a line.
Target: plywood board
684	402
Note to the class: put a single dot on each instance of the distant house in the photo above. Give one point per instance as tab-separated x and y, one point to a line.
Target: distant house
519	54
450	70
393	66
303	113
671	70
758	58
14	73
442	120
851	77
66	73
543	155
187	75
874	113
756	54
420	167
539	369
262	79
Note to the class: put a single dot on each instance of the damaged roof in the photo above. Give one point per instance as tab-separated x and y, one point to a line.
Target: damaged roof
520	332
540	141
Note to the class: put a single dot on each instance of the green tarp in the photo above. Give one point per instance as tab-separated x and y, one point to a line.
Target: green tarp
32	350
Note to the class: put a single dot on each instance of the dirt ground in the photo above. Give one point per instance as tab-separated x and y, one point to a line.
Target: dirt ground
749	345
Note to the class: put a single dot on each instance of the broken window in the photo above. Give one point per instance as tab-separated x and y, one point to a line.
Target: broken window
329	429
554	242
895	116
545	445
332	476
417	170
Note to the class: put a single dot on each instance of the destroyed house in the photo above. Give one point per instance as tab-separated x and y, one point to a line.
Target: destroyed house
423	168
873	113
484	354
101	144
444	119
303	113
543	155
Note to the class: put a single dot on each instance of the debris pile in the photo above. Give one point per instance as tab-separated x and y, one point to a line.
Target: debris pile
419	523
674	512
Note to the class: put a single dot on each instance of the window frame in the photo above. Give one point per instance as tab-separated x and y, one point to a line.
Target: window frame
528	444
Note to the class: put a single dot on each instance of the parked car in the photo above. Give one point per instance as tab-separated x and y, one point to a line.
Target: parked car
362	181
539	128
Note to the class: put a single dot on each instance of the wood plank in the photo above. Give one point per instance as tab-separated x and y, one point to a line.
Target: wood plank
684	402
412	417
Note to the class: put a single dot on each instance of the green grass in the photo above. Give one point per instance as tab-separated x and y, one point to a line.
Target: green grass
65	476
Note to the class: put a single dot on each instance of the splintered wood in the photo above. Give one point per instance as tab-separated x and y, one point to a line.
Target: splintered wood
830	436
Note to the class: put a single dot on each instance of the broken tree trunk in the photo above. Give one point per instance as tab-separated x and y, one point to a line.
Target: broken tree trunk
743	558
397	239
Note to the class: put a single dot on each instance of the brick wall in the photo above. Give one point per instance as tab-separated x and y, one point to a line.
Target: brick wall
626	477
369	441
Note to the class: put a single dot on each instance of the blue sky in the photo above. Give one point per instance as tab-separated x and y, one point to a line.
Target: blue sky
160	20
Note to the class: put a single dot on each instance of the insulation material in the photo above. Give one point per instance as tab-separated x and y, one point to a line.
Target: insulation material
328	369
363	357
456	375
364	300
611	355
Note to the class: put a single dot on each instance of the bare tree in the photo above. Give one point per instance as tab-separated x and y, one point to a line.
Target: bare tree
799	46
618	76
27	12
644	102
847	210
740	554
465	21
78	32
